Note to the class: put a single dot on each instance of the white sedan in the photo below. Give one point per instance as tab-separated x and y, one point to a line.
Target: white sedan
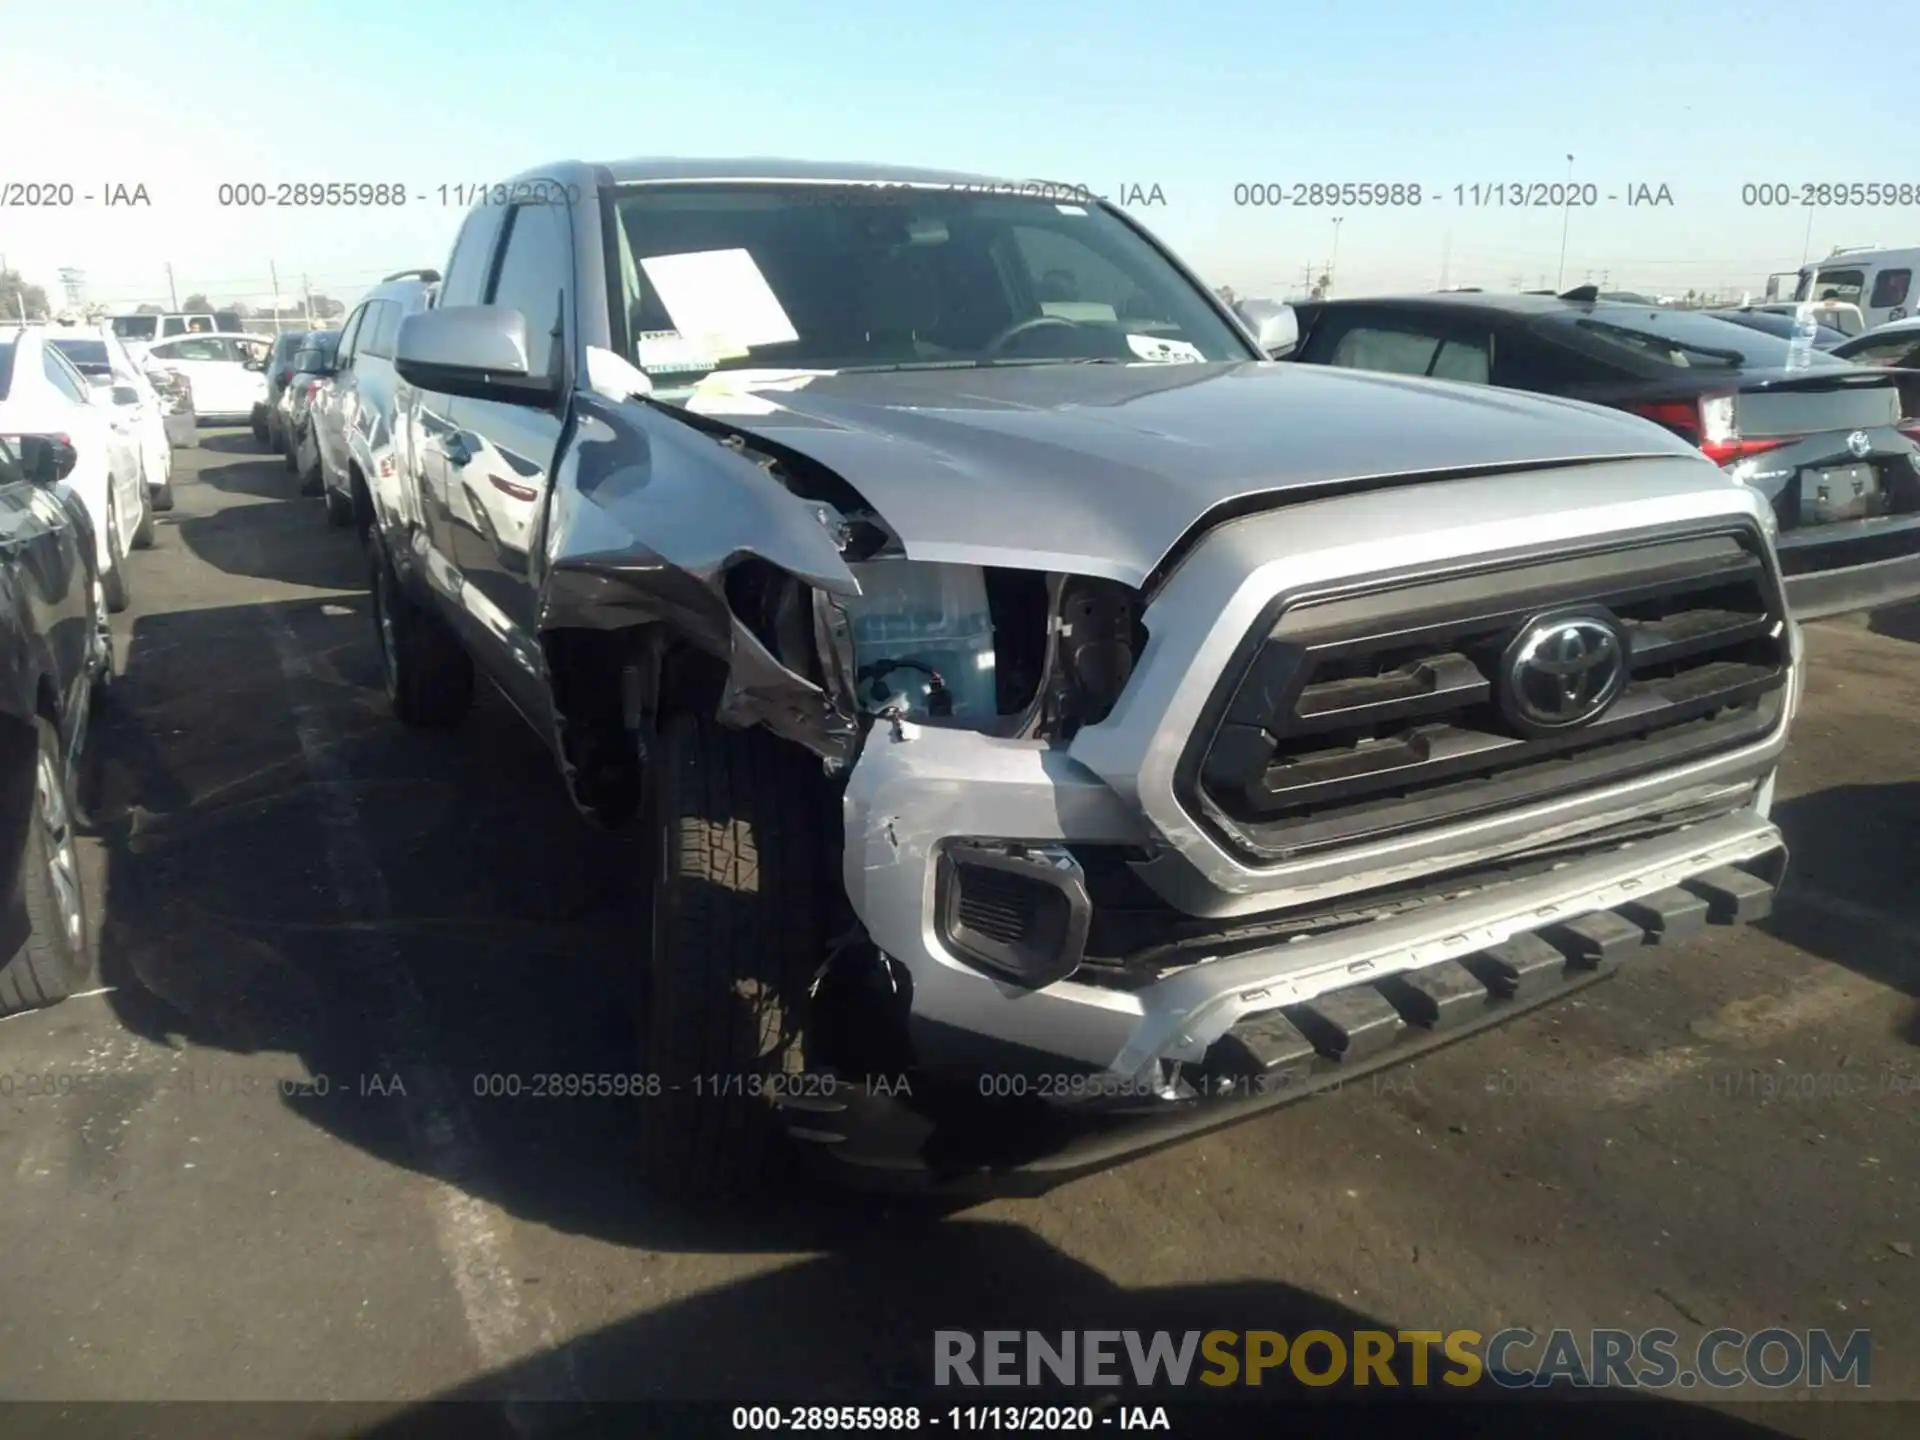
228	373
42	394
100	356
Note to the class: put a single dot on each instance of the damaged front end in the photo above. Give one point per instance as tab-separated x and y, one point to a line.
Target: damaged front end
685	552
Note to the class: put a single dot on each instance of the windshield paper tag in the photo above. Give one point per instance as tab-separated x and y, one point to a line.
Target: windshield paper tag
1165	352
721	297
666	352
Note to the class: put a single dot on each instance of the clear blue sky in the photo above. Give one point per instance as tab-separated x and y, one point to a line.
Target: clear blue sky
1191	97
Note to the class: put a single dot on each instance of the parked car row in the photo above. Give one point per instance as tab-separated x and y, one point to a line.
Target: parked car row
822	545
334	408
61	451
88	426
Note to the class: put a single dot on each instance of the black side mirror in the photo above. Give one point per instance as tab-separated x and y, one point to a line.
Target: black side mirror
47	459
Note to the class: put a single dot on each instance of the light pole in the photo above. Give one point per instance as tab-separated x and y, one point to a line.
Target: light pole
1566	219
1336	253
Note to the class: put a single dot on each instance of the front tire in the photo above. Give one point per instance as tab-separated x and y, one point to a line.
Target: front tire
733	823
114	582
429	675
339	508
58	951
163	497
143	533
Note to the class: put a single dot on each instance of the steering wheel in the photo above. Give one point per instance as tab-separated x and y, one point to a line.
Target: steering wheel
1021	327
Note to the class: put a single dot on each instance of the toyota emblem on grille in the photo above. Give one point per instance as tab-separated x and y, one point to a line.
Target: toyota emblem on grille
1858	445
1563	670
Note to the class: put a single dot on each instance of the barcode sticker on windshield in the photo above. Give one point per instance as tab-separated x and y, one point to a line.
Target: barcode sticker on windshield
664	352
1164	352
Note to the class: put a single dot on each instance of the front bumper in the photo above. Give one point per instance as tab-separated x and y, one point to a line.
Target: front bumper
1841	574
980	1120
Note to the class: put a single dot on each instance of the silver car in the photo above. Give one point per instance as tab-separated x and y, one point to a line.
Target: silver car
1051	727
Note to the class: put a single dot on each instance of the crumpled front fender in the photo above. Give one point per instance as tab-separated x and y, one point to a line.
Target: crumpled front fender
648	515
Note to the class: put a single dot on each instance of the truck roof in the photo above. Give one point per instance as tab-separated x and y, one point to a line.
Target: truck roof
664	169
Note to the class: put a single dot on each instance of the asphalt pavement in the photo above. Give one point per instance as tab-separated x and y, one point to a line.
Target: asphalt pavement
262	1159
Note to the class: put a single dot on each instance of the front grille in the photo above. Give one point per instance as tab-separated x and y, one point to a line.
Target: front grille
1375	712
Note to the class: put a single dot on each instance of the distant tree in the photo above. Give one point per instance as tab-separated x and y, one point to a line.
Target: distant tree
1225	292
196	301
325	307
149	309
240	309
16	294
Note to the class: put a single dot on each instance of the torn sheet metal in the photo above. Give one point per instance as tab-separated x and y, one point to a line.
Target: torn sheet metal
647	517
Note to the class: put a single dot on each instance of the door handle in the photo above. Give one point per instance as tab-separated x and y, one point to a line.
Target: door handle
455	445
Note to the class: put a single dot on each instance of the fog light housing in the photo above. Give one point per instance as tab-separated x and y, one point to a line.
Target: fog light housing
1016	911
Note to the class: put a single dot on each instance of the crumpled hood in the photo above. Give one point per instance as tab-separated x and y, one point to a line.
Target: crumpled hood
1100	469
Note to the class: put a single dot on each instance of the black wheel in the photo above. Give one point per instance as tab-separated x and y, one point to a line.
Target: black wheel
339	509
58	951
733	821
312	482
143	533
258	421
291	460
102	659
114	582
163	498
429	676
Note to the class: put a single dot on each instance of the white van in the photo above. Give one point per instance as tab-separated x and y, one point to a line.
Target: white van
1880	282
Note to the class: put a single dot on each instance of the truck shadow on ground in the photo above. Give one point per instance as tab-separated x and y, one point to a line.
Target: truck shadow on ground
284	543
1850	867
857	1327
488	943
234	463
1901	622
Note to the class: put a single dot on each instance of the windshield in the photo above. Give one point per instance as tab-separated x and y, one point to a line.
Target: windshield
1845	283
136	327
1690	340
809	277
89	357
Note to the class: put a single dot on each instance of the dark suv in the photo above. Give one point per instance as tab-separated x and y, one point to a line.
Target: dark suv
1834	447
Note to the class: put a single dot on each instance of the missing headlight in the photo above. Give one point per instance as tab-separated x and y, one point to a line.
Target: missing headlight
923	640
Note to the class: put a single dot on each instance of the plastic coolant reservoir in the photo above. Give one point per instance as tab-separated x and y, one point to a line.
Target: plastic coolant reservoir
914	620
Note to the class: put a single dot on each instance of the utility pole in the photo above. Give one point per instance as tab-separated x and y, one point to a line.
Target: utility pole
173	295
1806	244
307	291
1566	219
1336	252
275	273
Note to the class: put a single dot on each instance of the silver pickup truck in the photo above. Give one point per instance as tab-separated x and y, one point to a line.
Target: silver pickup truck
1055	728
